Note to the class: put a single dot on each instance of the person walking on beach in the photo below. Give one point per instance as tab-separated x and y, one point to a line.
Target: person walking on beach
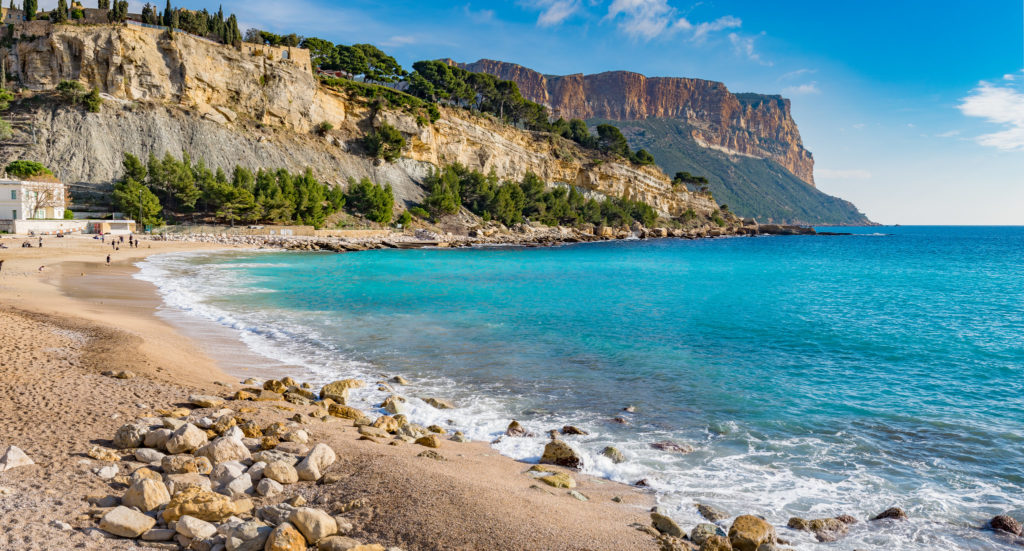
108	260
40	242
1	265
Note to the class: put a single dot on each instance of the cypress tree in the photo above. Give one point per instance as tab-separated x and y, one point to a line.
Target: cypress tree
103	4
61	13
168	12
30	9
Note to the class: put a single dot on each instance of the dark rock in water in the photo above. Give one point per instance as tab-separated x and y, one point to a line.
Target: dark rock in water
1004	523
669	446
702	532
848	519
713	514
620	420
891	513
825	529
749	532
613	453
629	409
517	430
642	483
558	452
569	429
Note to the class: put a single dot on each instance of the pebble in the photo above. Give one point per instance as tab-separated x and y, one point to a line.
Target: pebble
14	457
106	473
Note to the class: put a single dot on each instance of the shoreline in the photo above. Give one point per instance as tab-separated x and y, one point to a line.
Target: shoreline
113	315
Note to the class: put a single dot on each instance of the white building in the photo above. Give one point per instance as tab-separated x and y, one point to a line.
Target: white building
24	200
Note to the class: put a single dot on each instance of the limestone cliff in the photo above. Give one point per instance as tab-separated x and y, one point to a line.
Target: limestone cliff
256	107
753	125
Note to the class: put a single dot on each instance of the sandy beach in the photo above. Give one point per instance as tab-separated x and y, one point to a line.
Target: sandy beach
66	324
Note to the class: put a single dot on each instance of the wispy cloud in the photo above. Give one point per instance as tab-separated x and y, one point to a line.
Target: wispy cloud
701	30
650	19
802	89
400	40
842	174
744	46
999	103
553	12
478	16
792	75
948	134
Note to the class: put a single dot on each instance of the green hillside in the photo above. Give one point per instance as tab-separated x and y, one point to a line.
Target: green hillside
751	187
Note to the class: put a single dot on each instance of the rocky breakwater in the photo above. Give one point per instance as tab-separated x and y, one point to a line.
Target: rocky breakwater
755	125
489	233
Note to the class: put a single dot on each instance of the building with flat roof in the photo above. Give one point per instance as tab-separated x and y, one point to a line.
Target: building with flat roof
32	200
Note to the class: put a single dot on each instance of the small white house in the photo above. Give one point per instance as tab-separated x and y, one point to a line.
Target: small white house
26	200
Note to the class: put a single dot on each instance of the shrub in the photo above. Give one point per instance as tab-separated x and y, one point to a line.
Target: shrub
643	157
26	169
419	212
323	128
385	143
71	91
405	219
5	130
68	215
93	101
716	217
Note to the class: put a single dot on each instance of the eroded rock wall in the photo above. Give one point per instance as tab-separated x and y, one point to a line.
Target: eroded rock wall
177	93
748	124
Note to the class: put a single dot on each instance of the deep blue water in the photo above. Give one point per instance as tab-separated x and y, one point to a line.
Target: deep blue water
813	375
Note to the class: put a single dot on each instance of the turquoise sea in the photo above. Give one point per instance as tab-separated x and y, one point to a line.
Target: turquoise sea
813	375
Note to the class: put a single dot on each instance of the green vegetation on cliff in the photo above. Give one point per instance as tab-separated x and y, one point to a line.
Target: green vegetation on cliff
756	188
514	202
182	188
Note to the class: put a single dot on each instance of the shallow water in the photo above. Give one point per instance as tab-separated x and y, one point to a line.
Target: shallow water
813	375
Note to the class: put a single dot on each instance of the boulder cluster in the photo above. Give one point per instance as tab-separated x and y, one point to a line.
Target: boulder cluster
212	478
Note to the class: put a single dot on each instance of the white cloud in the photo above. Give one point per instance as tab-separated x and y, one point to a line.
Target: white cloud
650	19
554	12
725	22
1001	104
744	45
802	89
836	174
948	134
859	126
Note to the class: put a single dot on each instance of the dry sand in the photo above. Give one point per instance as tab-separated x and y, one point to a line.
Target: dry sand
55	404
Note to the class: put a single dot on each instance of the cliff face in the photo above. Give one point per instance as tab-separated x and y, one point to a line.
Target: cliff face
179	93
752	125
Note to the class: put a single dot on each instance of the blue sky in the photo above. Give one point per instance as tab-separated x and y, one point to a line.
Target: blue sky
914	110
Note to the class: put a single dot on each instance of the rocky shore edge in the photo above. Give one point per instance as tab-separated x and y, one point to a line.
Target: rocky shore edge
492	234
221	475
